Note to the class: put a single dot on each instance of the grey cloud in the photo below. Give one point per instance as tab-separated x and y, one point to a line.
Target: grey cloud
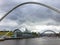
7	27
31	14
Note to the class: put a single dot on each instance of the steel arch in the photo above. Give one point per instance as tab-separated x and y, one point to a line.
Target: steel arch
48	31
50	7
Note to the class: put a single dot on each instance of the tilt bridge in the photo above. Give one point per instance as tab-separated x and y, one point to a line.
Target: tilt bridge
41	4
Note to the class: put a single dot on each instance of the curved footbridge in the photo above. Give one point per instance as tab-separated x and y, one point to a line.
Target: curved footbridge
41	4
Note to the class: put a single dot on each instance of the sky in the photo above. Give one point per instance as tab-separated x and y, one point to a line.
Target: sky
33	17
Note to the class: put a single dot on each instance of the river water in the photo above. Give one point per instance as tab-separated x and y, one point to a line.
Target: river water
32	41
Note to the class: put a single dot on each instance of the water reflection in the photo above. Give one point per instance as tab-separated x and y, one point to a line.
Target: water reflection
33	41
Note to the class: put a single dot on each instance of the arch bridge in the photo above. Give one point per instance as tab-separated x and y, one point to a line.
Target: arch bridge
48	31
38	3
49	34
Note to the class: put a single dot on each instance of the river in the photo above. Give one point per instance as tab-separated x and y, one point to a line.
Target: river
32	41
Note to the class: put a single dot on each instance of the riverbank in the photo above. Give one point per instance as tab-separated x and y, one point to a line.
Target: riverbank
3	39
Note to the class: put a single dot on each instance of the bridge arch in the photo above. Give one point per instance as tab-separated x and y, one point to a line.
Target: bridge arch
48	31
50	7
